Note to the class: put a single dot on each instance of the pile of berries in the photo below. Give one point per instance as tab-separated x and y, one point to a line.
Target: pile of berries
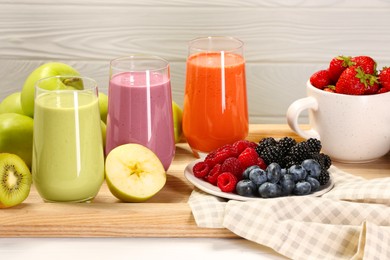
352	76
270	168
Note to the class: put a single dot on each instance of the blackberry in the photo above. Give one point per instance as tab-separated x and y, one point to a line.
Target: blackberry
300	152
314	145
265	142
285	144
323	159
271	154
324	177
289	161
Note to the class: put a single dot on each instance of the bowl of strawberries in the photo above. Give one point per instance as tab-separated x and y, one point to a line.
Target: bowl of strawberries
348	105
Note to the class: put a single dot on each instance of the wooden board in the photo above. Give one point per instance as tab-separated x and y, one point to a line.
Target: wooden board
165	215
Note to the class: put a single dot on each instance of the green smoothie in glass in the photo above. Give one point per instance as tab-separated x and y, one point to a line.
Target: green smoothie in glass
68	158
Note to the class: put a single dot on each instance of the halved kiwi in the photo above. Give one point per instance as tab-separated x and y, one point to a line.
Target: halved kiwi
15	180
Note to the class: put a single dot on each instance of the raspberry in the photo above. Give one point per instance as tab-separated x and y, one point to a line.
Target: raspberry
261	163
200	169
220	155
241	145
248	158
213	174
227	182
232	165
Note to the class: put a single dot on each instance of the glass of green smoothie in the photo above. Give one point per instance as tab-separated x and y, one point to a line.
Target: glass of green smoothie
68	157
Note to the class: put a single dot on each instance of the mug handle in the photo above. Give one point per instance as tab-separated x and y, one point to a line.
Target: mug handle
293	113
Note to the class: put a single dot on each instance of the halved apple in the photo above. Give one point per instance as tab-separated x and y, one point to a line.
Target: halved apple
134	173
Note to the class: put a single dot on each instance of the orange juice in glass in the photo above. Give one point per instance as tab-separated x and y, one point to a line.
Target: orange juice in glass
215	109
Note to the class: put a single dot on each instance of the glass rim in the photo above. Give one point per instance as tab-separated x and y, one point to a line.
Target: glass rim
138	57
93	86
240	44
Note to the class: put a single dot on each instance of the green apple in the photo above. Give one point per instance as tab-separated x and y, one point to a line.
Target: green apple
103	106
11	104
47	70
104	130
134	173
16	135
177	121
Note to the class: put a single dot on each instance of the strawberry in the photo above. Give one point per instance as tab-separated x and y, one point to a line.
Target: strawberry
337	65
330	88
384	78
353	81
367	63
383	90
320	79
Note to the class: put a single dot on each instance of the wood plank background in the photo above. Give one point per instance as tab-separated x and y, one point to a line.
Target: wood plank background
285	41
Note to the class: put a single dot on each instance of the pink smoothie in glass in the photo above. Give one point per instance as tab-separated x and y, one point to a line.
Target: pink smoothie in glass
141	113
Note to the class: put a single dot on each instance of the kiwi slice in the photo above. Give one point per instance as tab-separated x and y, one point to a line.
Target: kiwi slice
15	180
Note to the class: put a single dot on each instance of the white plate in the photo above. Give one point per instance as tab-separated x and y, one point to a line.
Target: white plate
214	190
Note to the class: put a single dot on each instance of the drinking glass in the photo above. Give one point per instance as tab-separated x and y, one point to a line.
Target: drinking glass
215	109
140	105
68	157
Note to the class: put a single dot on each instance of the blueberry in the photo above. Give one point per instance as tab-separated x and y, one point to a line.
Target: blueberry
283	172
246	188
270	190
245	174
258	176
287	183
314	183
274	172
298	172
302	188
312	167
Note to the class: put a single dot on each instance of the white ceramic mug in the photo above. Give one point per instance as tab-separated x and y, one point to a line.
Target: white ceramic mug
352	129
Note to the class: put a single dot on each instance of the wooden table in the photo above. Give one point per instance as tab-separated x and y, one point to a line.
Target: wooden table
165	215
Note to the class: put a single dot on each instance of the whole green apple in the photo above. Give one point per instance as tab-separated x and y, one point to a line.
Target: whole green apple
103	106
47	70
177	121
11	104
16	135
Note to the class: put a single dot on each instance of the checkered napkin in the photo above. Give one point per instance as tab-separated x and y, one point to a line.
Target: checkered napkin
351	221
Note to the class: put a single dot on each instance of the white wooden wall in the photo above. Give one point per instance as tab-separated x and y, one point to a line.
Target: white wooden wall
285	41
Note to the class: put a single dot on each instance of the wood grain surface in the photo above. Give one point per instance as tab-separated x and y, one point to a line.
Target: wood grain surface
165	215
285	41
